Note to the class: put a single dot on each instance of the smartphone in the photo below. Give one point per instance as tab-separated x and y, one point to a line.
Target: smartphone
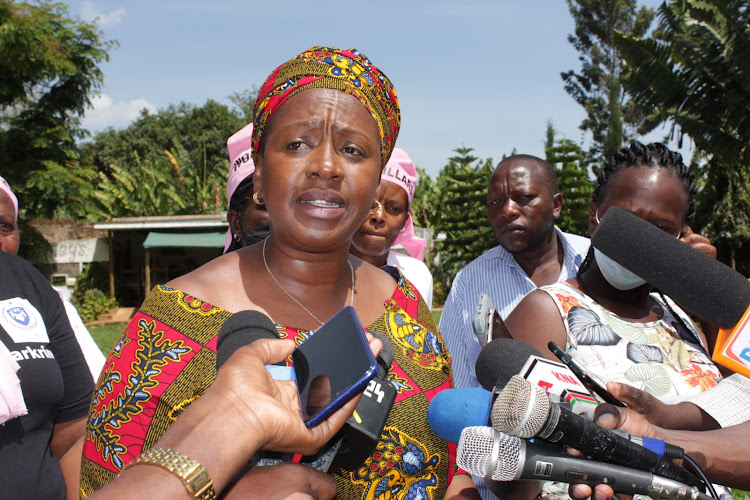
332	366
483	319
586	379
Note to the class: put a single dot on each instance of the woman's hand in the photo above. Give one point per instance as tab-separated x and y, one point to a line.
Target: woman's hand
251	399
283	481
614	417
698	242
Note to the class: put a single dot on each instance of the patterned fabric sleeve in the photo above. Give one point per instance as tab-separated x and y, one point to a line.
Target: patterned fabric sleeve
164	360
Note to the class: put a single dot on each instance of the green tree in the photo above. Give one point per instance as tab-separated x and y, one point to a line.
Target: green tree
461	213
184	142
244	101
694	73
611	117
48	72
573	180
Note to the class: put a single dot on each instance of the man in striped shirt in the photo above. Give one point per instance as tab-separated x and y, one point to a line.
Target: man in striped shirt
523	203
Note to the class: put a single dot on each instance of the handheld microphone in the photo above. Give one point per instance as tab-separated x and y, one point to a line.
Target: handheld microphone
500	359
691	278
362	431
483	451
525	411
504	358
240	329
452	410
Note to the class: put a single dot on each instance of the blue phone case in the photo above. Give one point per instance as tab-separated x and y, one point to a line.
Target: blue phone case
340	351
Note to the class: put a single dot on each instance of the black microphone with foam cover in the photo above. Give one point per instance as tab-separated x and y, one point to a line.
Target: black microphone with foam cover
496	456
525	411
240	329
691	278
499	360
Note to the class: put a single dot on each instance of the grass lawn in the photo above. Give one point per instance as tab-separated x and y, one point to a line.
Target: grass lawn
105	336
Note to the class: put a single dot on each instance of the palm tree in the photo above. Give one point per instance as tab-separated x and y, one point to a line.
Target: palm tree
695	74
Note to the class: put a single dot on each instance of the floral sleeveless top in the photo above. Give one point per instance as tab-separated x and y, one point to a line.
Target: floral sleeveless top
656	357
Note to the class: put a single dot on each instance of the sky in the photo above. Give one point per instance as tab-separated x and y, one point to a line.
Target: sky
483	74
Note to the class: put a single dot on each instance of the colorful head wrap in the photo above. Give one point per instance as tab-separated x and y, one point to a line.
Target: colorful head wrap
5	187
330	68
241	165
401	171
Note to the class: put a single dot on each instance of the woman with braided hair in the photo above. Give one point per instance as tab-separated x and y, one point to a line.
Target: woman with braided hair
608	319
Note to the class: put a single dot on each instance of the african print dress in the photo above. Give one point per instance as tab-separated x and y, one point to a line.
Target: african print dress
166	359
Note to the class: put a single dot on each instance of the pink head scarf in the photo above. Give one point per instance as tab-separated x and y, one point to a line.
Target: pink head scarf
400	170
5	187
241	164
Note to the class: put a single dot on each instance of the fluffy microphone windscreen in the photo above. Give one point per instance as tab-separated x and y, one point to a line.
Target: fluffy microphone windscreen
691	278
452	410
240	329
499	360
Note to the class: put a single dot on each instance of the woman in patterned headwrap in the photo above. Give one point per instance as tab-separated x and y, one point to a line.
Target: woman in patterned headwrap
325	125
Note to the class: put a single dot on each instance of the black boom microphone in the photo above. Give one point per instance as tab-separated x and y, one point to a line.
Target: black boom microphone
691	278
240	329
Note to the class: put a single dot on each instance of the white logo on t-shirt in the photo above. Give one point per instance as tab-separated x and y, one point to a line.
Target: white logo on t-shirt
22	321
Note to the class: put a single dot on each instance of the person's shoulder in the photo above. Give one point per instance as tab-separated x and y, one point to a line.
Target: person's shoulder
13	264
480	263
402	260
214	282
576	240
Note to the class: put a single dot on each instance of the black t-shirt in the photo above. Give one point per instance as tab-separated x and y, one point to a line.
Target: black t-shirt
55	380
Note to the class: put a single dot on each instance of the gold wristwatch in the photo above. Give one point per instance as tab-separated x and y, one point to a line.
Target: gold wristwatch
191	472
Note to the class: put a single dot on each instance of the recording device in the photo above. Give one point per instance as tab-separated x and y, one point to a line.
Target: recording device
691	278
332	366
362	431
488	325
525	411
585	378
501	359
485	452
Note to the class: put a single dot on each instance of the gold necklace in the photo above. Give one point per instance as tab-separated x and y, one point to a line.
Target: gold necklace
351	301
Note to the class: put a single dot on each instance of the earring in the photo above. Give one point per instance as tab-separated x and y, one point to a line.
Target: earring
236	237
402	230
257	199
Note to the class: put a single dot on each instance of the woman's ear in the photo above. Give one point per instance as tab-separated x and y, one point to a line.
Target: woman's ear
592	217
258	174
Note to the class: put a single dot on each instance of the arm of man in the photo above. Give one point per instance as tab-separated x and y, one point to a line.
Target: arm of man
458	335
721	453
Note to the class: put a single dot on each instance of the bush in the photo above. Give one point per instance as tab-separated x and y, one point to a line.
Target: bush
94	303
88	294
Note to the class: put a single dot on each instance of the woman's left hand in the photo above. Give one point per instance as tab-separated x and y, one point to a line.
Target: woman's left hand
699	242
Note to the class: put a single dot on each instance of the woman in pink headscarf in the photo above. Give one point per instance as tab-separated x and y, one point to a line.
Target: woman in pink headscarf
248	219
389	224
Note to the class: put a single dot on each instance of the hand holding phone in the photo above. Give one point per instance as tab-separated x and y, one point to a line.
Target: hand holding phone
586	379
332	366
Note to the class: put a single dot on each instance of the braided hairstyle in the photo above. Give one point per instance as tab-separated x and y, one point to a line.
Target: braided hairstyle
655	155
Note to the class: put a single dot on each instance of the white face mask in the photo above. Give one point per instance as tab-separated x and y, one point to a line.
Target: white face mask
615	274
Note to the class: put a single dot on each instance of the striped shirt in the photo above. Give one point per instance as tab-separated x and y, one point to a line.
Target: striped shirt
497	274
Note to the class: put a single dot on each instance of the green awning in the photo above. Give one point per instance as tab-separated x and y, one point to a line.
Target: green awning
194	240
